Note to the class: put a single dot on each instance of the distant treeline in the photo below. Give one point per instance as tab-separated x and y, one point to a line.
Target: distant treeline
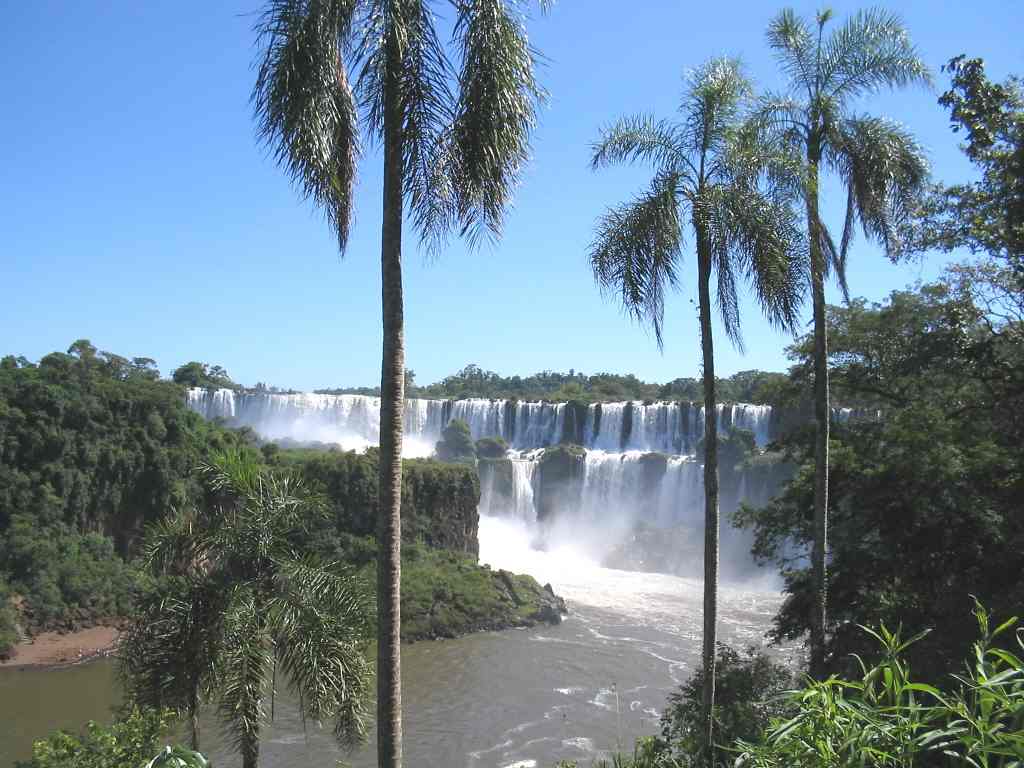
760	387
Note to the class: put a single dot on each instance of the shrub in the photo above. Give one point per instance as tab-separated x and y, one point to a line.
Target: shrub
747	688
130	741
884	718
491	448
456	443
8	620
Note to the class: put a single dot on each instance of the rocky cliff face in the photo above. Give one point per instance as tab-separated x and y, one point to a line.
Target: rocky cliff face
559	480
439	501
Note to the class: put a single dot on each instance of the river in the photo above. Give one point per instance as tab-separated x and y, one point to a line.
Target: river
523	698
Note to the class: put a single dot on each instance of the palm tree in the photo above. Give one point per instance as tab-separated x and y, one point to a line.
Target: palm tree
878	162
233	604
730	183
454	139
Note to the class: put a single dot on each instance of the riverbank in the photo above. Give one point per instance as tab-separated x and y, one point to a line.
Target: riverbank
58	649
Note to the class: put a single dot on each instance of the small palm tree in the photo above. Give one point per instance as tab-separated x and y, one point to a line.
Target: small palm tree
725	182
454	136
233	604
878	162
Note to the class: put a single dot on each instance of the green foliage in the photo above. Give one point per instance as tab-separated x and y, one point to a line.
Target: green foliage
491	448
130	742
66	578
926	502
178	757
195	374
233	601
747	687
985	216
8	620
456	443
883	717
446	594
438	500
92	446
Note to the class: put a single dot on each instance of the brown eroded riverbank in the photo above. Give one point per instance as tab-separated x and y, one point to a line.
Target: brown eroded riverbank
48	649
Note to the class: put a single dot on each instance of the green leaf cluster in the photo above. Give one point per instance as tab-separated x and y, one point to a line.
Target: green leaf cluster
130	742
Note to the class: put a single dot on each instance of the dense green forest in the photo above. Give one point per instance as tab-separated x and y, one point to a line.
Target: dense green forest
927	502
93	447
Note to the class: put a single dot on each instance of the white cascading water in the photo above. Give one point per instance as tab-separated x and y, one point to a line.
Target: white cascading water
523	506
353	421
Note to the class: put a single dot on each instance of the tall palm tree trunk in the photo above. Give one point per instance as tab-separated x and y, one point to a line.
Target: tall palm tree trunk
819	604
711	522
392	403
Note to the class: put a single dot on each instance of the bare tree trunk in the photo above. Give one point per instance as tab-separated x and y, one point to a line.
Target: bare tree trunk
392	403
819	605
193	712
711	521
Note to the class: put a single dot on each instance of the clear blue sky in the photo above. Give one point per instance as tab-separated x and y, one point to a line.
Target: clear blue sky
137	210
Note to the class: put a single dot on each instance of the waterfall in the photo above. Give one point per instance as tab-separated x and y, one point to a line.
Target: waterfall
635	487
639	468
522	490
353	421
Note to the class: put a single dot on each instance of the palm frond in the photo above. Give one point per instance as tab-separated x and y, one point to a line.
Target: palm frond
168	653
173	544
428	110
885	171
768	245
303	103
714	96
495	113
321	622
641	138
835	259
242	671
872	50
636	250
794	46
713	209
